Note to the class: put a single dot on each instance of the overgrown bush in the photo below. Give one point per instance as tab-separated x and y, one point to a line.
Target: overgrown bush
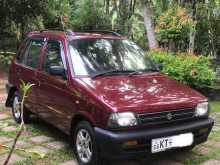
174	24
189	69
6	57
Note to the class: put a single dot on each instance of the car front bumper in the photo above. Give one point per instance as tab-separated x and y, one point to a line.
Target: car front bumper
113	144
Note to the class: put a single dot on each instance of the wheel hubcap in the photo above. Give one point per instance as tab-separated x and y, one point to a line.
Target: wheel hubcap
84	145
16	108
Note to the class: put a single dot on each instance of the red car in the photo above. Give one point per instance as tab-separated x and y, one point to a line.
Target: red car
107	94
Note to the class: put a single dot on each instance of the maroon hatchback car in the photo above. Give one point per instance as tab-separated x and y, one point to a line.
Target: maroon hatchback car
103	91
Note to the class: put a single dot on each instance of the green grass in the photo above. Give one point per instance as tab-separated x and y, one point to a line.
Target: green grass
53	158
214	154
199	160
59	156
215	106
8	134
35	130
214	135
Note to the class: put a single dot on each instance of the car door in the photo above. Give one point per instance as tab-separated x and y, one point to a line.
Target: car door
27	67
53	90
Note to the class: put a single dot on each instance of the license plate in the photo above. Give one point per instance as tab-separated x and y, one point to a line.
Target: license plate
162	144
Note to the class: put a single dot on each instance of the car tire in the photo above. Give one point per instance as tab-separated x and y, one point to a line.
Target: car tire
16	109
85	147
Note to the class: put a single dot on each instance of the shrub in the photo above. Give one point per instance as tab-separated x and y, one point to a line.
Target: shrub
189	69
6	57
174	24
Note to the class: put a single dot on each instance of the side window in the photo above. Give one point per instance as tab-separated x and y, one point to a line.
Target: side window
52	55
32	52
24	47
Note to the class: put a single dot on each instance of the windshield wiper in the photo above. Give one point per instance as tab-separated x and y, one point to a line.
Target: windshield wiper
141	71
110	72
131	72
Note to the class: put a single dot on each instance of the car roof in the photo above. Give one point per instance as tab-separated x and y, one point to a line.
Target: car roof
70	35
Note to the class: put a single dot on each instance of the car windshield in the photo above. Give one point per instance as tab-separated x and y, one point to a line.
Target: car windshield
91	57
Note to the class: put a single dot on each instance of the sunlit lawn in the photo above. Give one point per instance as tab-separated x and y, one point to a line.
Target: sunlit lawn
215	106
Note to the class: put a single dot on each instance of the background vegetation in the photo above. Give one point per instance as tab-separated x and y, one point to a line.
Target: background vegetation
176	22
188	69
191	27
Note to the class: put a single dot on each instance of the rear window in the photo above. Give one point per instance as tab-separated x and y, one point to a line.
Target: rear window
32	52
21	52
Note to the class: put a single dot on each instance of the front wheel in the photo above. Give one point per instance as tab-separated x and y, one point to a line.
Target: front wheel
16	109
85	145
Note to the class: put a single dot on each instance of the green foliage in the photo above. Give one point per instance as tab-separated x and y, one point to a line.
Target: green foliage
174	24
137	30
84	16
55	10
25	88
208	28
18	17
6	57
173	20
186	68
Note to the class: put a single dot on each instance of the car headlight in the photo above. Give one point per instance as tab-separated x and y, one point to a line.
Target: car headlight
123	119
202	109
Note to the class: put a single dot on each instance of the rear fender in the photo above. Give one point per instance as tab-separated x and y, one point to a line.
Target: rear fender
10	90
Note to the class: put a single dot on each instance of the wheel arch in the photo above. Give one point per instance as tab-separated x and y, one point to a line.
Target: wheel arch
78	118
11	92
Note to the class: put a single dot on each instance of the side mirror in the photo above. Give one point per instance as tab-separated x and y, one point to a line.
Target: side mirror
58	71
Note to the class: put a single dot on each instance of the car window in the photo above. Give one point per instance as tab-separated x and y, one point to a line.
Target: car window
24	47
52	55
32	52
94	56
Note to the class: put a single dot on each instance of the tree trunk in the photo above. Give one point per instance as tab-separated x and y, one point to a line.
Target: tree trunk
153	44
107	7
124	14
134	5
171	46
192	31
94	14
191	42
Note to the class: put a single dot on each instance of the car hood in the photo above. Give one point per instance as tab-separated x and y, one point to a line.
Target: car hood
147	92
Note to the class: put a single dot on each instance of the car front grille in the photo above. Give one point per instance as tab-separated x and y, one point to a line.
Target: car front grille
166	116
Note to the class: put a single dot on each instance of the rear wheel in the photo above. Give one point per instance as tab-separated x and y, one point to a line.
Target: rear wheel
85	145
16	109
